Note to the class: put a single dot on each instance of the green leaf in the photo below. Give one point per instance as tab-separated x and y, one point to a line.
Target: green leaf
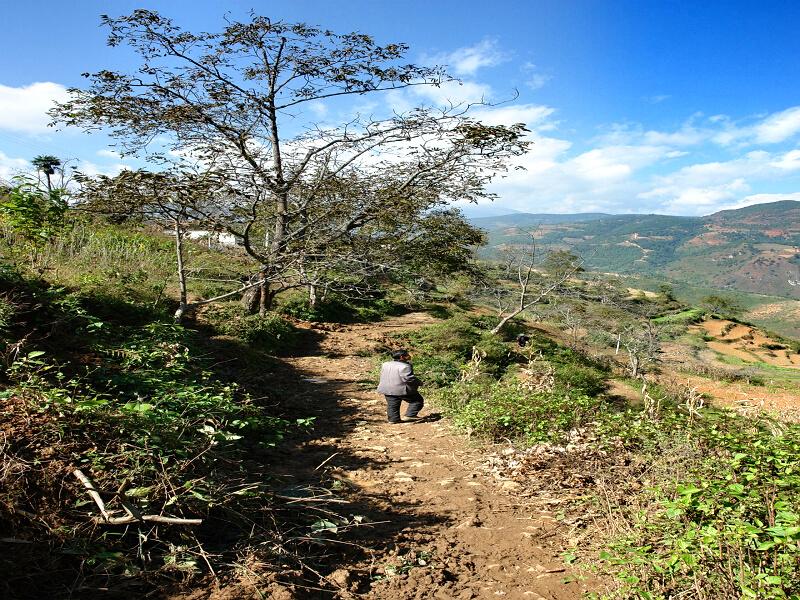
324	525
766	545
687	490
140	407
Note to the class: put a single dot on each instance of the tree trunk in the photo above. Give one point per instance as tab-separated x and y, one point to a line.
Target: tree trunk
183	300
263	296
312	295
634	361
505	320
251	299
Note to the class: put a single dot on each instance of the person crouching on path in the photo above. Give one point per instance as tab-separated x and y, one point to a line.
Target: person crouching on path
399	383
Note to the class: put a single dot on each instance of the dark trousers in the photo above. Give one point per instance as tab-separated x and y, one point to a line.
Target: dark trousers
415	403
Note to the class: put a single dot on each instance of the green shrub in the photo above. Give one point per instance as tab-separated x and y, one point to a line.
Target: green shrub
271	332
506	409
497	356
509	331
684	317
7	310
443	349
440	311
337	309
728	526
583	379
438	370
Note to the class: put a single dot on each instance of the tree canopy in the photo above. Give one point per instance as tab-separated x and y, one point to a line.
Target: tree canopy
236	109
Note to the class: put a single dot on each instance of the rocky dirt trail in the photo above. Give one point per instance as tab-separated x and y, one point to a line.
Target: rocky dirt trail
426	521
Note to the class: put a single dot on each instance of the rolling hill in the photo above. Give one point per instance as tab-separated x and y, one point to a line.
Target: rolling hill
754	249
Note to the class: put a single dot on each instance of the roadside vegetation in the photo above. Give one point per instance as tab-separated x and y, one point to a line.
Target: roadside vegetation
683	498
668	496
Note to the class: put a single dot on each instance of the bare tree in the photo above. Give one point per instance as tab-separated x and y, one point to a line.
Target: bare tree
642	342
240	103
572	316
531	282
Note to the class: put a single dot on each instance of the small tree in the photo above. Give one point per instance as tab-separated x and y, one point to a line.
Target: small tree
572	316
667	292
36	214
531	283
643	344
175	201
47	165
721	305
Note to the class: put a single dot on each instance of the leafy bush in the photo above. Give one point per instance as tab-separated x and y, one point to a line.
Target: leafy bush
507	409
443	349
35	213
437	371
440	311
728	526
337	309
685	317
509	331
7	310
584	379
271	332
127	403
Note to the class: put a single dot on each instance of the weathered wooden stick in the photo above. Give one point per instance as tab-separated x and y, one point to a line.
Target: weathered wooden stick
291	499
92	492
134	516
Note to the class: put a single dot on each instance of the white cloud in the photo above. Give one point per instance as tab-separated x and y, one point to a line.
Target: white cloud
657	99
615	162
688	134
532	115
789	161
707	187
106	153
468	60
719	129
761	199
10	166
319	109
93	169
535	79
778	127
449	93
704	200
24	109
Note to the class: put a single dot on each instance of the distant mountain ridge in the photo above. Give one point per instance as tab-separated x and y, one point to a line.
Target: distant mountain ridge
752	249
533	219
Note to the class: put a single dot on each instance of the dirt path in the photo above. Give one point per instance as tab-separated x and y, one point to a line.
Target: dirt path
427	522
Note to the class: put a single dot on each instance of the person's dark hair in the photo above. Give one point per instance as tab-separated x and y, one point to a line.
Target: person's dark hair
398	354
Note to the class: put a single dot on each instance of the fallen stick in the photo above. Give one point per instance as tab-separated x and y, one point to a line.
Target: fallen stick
92	492
292	499
326	460
134	516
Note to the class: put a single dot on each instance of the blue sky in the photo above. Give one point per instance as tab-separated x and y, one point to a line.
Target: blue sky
634	105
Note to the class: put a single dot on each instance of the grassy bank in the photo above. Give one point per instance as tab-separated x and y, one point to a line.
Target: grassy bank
684	501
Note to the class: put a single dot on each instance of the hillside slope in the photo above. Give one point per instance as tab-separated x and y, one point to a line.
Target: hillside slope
753	249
